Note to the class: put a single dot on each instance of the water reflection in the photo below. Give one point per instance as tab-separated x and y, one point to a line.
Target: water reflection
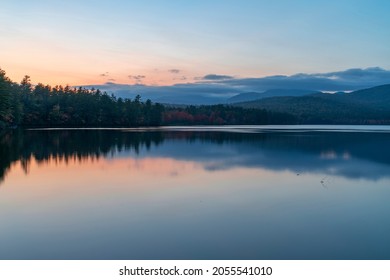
194	194
354	155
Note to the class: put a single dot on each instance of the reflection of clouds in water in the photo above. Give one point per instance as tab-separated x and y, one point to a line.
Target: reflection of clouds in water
251	155
328	155
158	166
346	156
333	155
351	155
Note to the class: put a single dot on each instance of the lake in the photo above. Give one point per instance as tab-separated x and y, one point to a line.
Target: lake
232	192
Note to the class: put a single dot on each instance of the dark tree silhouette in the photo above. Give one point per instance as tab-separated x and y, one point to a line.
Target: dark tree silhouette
41	105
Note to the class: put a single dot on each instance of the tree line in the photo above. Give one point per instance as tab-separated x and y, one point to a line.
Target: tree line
42	105
27	105
224	115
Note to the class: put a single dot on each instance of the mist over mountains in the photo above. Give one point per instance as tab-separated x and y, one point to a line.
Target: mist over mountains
221	89
251	96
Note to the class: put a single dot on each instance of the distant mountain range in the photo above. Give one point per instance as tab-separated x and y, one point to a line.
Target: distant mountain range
222	89
250	96
364	106
183	95
371	106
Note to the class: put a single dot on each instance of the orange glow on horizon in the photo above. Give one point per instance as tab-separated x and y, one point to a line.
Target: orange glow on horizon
59	64
83	69
63	78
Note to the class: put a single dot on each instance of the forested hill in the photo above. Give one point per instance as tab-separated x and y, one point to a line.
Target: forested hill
27	105
368	106
44	106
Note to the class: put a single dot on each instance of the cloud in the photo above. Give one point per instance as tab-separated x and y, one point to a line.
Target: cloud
137	78
111	80
371	74
215	88
351	79
174	71
104	74
182	78
213	77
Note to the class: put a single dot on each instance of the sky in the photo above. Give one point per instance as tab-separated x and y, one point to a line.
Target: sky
163	43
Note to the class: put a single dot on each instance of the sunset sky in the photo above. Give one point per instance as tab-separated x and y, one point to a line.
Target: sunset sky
173	42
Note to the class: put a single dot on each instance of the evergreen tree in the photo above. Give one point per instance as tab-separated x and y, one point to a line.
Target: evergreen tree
5	99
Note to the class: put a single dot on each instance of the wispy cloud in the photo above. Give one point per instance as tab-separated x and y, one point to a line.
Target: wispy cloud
215	77
137	78
182	78
350	79
105	74
174	71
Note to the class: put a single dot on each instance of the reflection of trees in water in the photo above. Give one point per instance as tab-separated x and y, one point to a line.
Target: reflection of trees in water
81	145
68	146
367	146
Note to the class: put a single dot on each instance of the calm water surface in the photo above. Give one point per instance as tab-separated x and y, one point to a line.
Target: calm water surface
196	193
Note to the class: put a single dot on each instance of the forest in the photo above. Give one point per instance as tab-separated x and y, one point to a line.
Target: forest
26	105
370	106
